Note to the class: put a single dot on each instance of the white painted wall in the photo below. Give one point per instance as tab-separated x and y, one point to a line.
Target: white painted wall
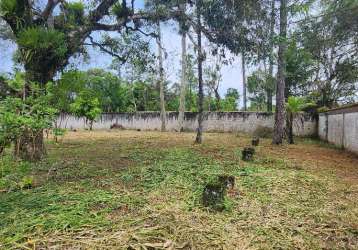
304	124
340	129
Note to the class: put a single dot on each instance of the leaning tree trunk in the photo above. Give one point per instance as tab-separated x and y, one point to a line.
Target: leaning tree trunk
183	83
244	81
199	134
280	90
161	79
272	34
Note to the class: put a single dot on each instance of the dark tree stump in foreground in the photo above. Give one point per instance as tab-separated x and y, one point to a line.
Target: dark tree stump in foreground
214	193
255	141
214	196
248	154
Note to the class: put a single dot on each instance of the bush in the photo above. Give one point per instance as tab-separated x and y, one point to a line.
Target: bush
19	117
14	175
263	132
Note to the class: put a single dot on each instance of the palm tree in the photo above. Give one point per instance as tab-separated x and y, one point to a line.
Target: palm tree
293	106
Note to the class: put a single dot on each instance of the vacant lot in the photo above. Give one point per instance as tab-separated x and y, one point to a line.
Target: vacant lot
142	190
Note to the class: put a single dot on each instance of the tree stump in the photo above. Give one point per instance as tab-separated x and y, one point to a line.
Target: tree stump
255	141
227	181
248	154
214	196
116	126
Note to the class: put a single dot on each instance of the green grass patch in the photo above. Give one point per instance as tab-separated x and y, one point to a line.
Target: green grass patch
120	193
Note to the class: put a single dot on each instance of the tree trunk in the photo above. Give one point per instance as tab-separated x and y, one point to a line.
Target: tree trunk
244	81
281	75
183	83
272	34
30	147
199	134
218	99
161	79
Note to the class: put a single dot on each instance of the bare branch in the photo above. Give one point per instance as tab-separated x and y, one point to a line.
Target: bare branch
104	49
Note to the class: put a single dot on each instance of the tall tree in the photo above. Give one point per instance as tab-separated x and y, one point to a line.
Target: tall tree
183	79
271	56
161	78
199	134
281	75
331	39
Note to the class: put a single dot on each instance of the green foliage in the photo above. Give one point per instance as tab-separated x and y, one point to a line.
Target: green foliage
14	175
27	182
40	46
18	115
294	104
58	132
299	69
119	10
75	13
62	92
332	42
258	84
87	106
18	82
8	7
231	101
322	109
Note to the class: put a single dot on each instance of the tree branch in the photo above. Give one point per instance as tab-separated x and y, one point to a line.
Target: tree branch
104	49
101	10
50	6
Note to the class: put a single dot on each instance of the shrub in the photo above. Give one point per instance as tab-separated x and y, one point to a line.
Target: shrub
20	116
14	175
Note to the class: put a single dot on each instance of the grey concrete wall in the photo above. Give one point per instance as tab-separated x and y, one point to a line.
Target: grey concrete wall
340	128
304	124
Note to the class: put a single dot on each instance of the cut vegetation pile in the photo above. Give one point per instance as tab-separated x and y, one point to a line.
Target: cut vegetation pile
136	190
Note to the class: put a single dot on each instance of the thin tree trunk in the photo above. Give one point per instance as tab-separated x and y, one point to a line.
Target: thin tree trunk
161	79
218	99
183	83
199	134
244	81
272	33
290	128
281	75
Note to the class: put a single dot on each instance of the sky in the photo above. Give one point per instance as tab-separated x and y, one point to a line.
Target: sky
231	74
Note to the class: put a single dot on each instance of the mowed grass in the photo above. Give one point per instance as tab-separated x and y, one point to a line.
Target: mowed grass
142	190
